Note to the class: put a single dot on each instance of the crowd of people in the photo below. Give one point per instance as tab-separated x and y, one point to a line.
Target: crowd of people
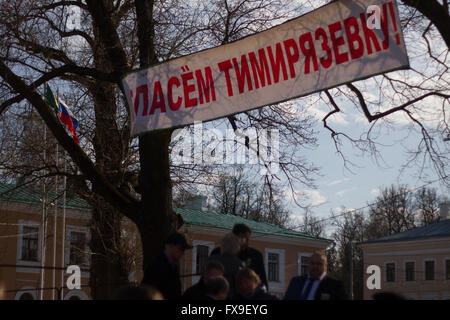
234	271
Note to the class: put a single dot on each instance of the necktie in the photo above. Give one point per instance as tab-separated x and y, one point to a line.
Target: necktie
306	292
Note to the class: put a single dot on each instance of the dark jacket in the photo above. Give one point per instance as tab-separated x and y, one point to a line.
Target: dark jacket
252	259
231	264
164	276
196	292
329	289
258	294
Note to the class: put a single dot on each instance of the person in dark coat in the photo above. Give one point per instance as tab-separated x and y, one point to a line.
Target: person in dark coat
248	287
251	257
163	272
217	288
316	285
213	269
230	246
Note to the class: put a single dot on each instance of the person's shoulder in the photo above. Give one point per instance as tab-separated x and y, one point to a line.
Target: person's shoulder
296	281
332	280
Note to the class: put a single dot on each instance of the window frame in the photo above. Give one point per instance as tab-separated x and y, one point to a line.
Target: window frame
211	245
299	261
19	261
414	271
386	271
444	269
425	270
276	286
87	263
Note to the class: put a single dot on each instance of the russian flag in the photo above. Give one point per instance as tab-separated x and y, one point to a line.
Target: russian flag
68	119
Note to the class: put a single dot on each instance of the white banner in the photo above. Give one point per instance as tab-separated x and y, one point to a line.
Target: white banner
338	43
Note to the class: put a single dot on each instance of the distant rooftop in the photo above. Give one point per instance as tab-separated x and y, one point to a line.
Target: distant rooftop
32	195
227	221
435	230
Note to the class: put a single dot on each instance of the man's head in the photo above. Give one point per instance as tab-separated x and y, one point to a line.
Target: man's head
175	245
317	265
217	288
230	244
247	281
243	232
213	269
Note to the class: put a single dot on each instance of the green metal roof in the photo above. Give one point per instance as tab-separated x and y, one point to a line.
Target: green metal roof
227	221
32	195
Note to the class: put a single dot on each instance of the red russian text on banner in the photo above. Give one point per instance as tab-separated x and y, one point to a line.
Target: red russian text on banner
327	47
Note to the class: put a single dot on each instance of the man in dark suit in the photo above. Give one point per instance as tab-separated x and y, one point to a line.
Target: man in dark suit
316	285
163	272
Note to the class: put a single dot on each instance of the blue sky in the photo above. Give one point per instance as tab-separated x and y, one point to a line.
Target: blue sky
338	187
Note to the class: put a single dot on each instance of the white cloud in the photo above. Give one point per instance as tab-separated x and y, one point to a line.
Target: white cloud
342	192
318	113
306	197
296	219
339	181
341	210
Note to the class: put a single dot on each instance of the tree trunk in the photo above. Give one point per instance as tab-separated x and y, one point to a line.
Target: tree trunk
156	218
108	268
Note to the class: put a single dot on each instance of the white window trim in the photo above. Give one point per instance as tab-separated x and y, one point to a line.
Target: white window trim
79	293
195	243
30	290
424	270
299	261
395	271
404	271
276	286
444	270
85	230
19	260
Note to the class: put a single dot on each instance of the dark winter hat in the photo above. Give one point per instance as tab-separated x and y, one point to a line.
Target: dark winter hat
179	239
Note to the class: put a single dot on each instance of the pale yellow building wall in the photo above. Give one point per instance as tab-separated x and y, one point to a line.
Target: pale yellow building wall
419	251
13	278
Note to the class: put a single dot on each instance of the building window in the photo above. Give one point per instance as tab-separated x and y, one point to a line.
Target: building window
447	269
274	266
202	256
77	248
390	272
30	243
429	270
410	271
304	265
199	256
274	263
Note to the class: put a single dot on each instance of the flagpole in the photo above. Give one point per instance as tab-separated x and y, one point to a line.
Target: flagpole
55	218
63	230
43	218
